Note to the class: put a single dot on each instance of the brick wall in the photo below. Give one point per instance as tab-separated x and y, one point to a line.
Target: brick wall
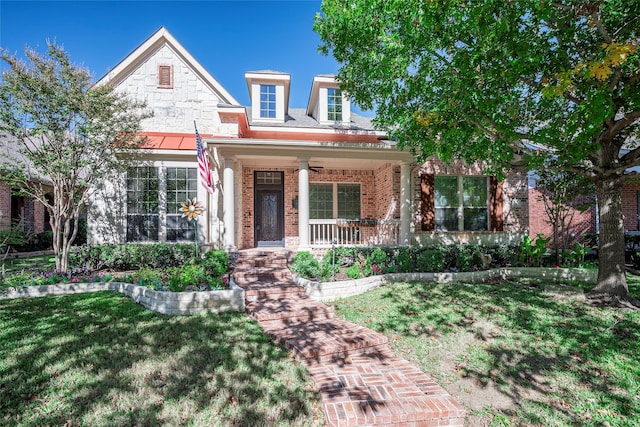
387	185
515	196
376	188
5	208
583	222
630	205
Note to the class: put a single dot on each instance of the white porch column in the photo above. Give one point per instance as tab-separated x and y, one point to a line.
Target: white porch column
405	203
228	205
303	205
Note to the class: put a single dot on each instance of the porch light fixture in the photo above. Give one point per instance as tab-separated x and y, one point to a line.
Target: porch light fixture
294	202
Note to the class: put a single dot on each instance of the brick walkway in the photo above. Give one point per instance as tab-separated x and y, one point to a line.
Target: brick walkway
360	380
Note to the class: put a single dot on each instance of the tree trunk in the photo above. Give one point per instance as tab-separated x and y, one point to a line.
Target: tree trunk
611	273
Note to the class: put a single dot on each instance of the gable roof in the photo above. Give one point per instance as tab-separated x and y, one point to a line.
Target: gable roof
158	39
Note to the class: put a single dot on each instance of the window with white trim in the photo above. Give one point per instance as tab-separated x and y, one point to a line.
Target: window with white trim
142	204
182	185
334	200
268	101
148	212
461	203
334	104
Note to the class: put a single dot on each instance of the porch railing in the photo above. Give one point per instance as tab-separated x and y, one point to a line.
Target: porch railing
324	232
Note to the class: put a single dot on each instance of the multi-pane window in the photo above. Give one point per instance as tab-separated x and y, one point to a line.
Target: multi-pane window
142	204
461	203
182	185
334	200
147	211
320	201
334	104
268	101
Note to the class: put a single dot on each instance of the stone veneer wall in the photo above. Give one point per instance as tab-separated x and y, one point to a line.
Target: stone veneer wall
174	108
5	208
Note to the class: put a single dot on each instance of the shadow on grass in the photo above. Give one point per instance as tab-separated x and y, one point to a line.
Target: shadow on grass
556	361
100	359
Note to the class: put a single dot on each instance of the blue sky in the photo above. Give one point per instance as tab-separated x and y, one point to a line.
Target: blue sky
226	37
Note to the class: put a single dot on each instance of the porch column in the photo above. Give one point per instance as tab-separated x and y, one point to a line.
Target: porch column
303	204
405	203
228	208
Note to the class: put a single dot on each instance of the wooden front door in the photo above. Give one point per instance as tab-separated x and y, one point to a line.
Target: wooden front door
269	211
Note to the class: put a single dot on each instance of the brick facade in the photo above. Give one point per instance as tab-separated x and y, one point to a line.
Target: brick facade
515	204
32	212
630	205
583	222
376	189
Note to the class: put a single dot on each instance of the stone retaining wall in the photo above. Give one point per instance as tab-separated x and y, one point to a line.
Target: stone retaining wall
329	291
163	302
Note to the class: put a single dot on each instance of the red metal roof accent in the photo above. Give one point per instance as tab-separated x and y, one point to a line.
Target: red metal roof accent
171	141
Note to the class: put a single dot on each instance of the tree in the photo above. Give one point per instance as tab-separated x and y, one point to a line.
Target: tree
62	135
562	193
493	80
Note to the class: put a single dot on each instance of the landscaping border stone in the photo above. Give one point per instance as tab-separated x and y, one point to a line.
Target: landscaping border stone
329	291
170	303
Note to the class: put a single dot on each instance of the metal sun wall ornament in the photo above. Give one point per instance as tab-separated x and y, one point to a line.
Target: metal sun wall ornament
191	209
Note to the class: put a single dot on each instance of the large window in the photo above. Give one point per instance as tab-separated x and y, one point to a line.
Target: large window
461	203
147	212
182	185
334	200
142	204
334	104
268	101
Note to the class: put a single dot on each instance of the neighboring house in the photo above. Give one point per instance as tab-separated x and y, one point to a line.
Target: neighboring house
293	177
27	214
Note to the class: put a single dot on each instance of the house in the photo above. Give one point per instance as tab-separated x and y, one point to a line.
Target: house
299	178
28	215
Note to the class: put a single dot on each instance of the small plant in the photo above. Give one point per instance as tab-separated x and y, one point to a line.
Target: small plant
305	265
532	251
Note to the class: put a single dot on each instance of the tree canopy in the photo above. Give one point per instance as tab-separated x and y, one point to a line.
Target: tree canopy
62	135
491	80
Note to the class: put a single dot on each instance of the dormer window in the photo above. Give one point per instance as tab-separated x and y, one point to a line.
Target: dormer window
268	101
165	77
334	104
327	103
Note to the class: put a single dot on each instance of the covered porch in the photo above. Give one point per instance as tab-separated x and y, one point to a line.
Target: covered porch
310	194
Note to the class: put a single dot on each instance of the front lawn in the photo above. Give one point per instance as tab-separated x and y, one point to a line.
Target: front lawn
101	360
511	354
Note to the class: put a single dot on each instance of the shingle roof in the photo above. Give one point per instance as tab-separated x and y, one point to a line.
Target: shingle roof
298	118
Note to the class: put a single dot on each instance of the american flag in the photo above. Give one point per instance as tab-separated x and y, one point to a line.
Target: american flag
203	164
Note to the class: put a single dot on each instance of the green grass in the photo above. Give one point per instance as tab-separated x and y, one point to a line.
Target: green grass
101	360
28	265
510	351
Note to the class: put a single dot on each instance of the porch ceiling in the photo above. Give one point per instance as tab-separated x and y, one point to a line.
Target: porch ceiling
329	155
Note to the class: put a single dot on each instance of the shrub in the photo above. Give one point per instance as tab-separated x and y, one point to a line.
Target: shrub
191	274
148	278
216	262
305	265
430	260
404	261
131	255
353	272
376	262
